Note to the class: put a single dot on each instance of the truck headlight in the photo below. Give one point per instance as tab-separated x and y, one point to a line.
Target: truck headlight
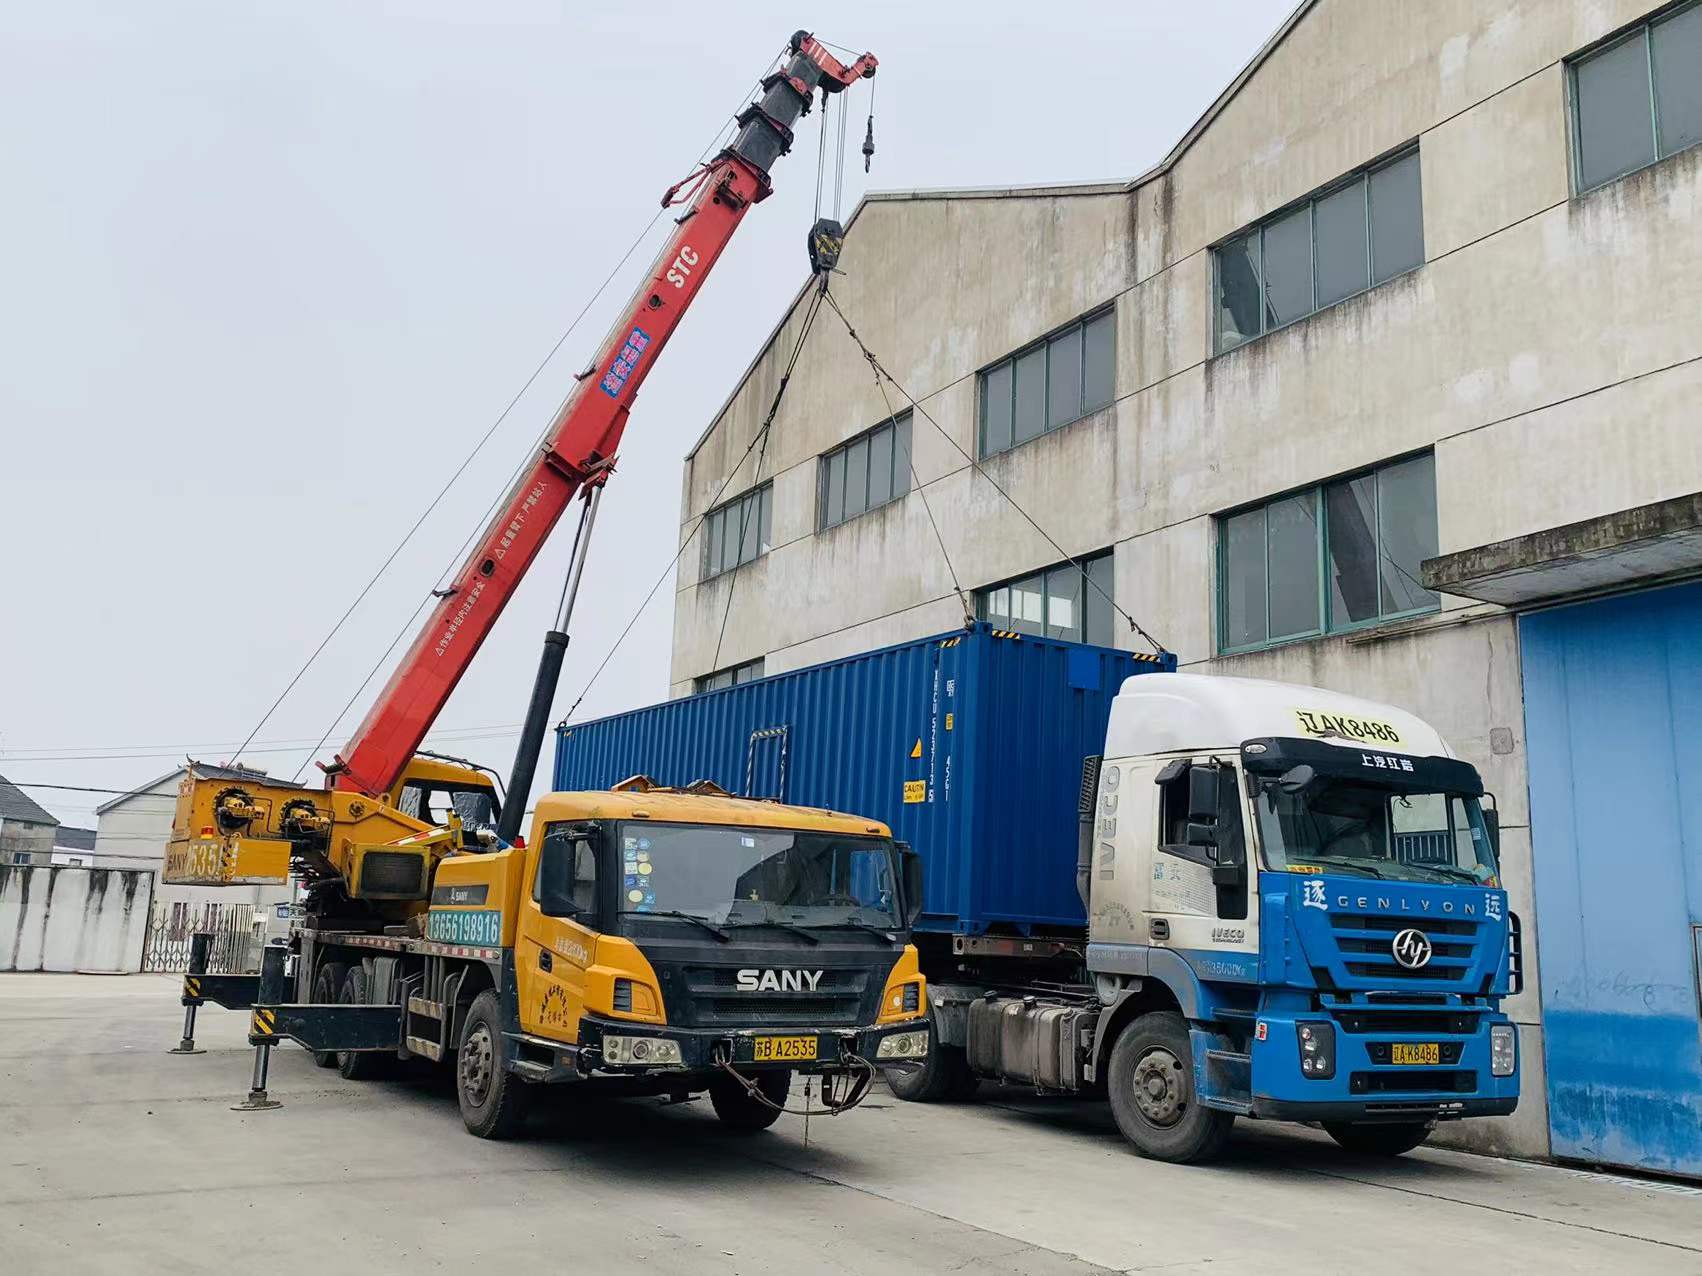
1317	1049
1503	1049
903	1045
650	1051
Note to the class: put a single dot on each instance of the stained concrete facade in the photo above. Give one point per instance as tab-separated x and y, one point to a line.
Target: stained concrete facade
1548	351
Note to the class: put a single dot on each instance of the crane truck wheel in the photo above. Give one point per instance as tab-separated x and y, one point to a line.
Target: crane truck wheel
1391	1139
739	1111
327	986
1151	1088
358	1065
493	1100
945	1075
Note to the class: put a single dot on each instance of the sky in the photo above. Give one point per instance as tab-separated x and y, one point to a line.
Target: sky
268	271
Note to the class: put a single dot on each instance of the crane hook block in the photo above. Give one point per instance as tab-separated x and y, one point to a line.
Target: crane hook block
869	143
826	238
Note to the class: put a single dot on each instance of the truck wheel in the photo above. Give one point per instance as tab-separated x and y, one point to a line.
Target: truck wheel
327	987
358	1065
1390	1139
943	1076
739	1111
1151	1088
493	1100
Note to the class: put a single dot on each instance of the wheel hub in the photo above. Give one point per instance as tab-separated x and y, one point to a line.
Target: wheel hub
476	1058
1160	1087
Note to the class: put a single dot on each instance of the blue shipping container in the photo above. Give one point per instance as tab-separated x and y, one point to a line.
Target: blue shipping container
967	744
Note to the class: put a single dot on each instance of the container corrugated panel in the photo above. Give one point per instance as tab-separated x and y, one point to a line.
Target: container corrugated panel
967	744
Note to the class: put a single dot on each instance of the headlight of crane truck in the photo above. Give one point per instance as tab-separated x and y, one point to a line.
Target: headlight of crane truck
638	940
1254	900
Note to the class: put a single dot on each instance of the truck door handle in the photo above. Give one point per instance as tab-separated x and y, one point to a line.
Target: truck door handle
1159	927
545	961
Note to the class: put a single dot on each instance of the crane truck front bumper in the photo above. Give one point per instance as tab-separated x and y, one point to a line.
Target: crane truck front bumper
620	1048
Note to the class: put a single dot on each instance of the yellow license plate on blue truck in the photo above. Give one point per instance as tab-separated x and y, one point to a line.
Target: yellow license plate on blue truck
1419	1052
783	1049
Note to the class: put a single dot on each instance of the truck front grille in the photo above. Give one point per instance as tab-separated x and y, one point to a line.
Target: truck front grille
837	999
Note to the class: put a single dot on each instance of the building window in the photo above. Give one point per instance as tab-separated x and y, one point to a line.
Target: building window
1067	601
738	532
1331	558
1638	99
750	671
864	474
1354	235
1058	379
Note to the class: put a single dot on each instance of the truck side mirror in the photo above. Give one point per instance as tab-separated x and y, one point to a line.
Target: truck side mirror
1203	782
910	874
1492	822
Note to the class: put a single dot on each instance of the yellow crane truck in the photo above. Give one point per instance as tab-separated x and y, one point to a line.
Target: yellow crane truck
643	940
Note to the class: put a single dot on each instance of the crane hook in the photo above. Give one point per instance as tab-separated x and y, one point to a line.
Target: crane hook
869	142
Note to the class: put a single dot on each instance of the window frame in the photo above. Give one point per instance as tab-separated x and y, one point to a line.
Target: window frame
1324	629
1042	344
763	496
1310	201
1083	566
700	685
1642	29
897	422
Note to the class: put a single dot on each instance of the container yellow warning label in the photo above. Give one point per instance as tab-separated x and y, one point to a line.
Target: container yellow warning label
917	751
915	791
948	721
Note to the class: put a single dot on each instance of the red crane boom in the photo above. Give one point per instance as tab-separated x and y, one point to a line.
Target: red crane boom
581	444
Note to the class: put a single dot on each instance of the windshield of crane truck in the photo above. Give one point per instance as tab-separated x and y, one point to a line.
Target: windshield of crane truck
1368	830
734	876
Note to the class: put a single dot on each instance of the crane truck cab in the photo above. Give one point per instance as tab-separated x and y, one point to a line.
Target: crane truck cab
674	942
1295	912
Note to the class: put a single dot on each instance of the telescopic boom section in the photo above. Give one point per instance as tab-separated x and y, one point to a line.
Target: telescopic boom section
581	444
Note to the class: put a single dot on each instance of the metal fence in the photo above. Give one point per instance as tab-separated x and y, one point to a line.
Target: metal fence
237	936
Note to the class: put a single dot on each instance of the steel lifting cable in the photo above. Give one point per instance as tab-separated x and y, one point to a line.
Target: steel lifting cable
763	434
714	501
917	487
880	372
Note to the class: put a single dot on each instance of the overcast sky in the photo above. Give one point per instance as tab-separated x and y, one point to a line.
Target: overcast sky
268	271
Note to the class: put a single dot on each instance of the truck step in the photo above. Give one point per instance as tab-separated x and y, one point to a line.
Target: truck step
425	1048
530	1070
429	1009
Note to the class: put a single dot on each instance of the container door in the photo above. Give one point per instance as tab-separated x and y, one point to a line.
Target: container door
1613	716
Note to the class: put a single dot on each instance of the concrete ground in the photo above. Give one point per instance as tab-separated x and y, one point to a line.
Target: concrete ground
117	1157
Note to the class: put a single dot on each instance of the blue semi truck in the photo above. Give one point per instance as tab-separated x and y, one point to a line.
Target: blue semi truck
1201	897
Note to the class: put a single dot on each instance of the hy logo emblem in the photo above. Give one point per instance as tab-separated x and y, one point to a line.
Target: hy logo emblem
779	980
1412	948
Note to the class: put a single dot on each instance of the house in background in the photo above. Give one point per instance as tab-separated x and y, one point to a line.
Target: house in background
73	847
26	831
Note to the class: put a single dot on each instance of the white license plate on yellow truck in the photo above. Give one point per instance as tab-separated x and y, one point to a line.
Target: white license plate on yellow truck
783	1049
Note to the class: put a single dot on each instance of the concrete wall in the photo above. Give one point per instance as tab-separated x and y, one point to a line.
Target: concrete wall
1549	352
85	920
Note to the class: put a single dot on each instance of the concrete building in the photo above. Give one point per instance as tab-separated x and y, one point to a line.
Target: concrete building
1397	349
73	847
26	829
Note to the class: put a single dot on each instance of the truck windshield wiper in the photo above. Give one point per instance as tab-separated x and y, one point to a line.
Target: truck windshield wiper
882	931
704	922
796	930
1455	872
